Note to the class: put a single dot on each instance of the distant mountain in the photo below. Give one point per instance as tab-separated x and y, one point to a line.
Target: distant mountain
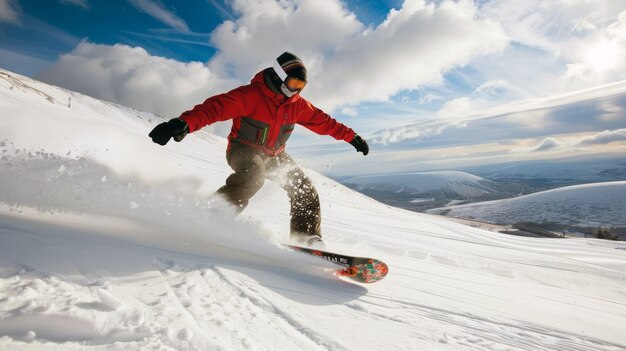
422	190
596	204
543	175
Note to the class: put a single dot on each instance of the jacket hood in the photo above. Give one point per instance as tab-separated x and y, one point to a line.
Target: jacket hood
259	81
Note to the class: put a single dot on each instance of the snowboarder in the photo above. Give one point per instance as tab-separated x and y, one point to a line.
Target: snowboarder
264	114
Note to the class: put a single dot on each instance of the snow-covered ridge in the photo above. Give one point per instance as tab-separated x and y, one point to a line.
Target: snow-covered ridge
587	171
596	204
108	242
446	182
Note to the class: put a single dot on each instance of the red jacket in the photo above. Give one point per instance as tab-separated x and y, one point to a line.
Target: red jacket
263	118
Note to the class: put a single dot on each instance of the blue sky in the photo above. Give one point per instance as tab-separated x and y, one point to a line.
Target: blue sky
48	29
431	85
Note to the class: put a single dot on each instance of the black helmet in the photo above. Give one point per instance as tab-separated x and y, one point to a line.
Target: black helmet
292	73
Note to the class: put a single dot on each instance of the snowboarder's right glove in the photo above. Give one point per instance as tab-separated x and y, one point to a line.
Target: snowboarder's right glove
174	128
360	145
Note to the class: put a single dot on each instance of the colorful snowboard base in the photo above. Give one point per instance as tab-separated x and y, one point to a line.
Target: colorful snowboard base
359	269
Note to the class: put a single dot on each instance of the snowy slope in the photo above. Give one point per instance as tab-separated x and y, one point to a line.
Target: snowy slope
597	204
108	242
439	184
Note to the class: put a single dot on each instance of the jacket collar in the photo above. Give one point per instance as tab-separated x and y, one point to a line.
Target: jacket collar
279	98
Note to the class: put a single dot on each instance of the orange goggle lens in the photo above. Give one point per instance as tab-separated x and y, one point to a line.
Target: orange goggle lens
294	84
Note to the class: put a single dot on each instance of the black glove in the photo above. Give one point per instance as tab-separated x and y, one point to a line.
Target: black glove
360	145
175	127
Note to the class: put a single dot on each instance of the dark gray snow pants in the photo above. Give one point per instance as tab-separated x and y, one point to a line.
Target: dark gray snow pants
253	166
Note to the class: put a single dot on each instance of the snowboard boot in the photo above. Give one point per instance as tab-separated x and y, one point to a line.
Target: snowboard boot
311	241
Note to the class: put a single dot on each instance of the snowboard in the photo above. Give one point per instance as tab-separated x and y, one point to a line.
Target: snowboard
359	269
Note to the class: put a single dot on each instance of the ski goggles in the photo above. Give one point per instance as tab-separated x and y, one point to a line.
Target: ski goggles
294	84
291	85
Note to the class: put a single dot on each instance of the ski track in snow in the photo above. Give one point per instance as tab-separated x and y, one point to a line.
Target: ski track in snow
109	242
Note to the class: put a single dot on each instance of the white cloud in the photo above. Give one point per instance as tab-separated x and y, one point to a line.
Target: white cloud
396	135
157	10
80	3
348	62
349	111
605	137
617	29
600	55
546	145
523	118
457	111
576	142
576	71
221	9
524	21
551	25
9	12
429	98
413	47
492	88
132	77
452	114
574	40
266	28
582	25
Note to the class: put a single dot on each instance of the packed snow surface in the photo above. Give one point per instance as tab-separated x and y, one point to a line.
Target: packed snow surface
596	204
111	242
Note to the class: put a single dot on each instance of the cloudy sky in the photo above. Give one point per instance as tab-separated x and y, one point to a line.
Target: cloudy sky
430	84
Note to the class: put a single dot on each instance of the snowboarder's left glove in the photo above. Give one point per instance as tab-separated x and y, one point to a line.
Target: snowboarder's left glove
360	144
174	128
